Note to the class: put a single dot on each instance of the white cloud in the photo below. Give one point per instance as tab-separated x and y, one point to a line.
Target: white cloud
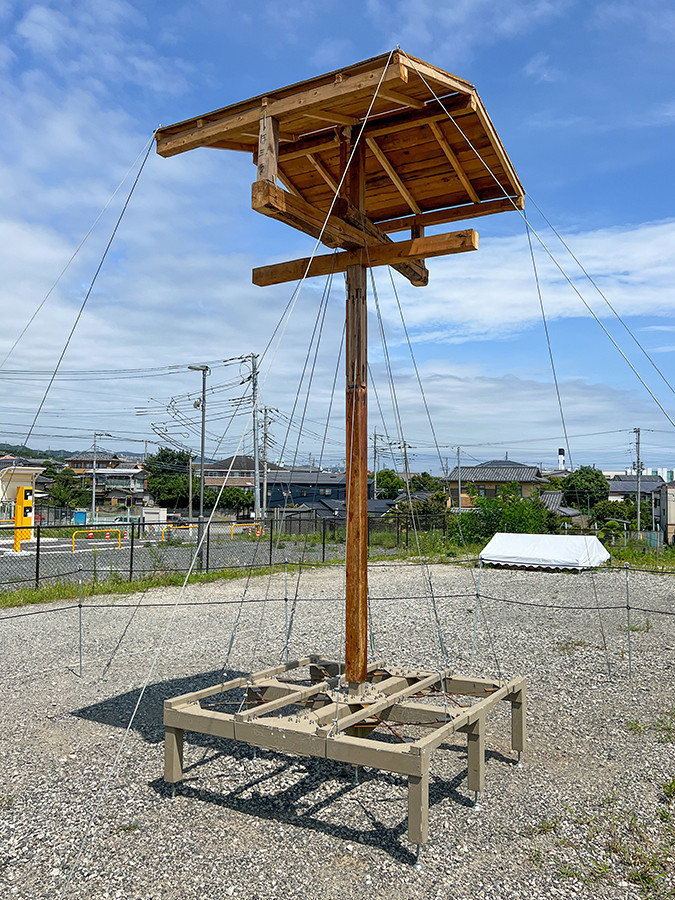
454	30
491	293
539	68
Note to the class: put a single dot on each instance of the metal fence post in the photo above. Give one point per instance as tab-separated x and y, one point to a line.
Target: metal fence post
208	545
270	525
323	539
131	554
630	659
37	556
79	604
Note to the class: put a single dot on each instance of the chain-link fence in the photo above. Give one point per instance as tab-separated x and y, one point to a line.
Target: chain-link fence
66	552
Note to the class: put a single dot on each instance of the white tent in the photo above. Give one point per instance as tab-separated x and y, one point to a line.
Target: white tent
545	551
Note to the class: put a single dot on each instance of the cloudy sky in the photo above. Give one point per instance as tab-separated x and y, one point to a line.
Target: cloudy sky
583	96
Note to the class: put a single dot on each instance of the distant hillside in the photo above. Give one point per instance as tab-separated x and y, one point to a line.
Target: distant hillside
20	450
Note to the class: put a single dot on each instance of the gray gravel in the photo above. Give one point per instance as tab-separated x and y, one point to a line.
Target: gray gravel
586	811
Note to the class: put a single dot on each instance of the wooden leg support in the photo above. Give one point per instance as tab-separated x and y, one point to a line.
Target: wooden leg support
173	754
519	719
476	755
418	808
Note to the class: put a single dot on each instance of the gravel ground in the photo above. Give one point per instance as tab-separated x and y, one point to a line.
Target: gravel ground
587	816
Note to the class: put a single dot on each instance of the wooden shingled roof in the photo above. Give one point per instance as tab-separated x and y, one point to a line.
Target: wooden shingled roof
422	167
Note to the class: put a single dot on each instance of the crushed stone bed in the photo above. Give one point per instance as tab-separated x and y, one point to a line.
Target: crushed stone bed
587	815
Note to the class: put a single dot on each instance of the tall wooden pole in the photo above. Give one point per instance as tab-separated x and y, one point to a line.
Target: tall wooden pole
356	629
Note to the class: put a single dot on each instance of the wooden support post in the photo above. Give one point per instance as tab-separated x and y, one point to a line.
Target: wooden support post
356	551
418	808
357	474
268	147
476	755
519	719
173	754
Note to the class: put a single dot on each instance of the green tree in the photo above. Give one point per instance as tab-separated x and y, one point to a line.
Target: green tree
389	484
584	488
426	482
236	498
508	512
66	490
168	481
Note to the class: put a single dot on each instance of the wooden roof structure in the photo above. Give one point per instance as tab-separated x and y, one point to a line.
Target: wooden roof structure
430	153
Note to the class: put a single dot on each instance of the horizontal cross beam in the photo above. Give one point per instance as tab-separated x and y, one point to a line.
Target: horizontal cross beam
378	255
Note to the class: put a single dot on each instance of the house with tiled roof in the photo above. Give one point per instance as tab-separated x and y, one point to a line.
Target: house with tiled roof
489	476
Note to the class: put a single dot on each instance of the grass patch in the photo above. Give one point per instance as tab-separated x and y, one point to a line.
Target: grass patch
605	841
569	646
644	628
663	727
117	585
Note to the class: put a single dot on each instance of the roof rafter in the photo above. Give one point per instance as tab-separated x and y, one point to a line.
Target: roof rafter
391	172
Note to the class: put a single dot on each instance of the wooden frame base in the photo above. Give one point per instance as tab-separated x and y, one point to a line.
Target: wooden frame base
329	719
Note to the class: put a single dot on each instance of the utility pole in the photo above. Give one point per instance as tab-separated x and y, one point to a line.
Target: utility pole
190	487
266	423
639	474
201	404
256	443
459	482
93	486
374	463
406	472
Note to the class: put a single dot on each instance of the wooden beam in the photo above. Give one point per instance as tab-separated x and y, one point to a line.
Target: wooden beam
323	172
414	270
402	99
288	184
391	172
279	204
379	255
495	140
462	105
452	214
345	230
309	145
240	146
335	118
356	432
191	136
454	162
268	148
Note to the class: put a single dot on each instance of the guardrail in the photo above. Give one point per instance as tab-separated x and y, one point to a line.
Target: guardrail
106	531
176	528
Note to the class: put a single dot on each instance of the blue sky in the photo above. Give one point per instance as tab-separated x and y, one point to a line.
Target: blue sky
583	96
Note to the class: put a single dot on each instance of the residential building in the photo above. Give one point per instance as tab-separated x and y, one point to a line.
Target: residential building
489	476
622	487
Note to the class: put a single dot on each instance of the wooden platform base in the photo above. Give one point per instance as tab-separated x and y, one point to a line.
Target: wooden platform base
377	723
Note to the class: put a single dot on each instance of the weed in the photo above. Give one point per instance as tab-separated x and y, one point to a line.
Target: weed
664	814
669	788
570	646
565	871
6	800
646	627
537	856
128	828
636	727
664	726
